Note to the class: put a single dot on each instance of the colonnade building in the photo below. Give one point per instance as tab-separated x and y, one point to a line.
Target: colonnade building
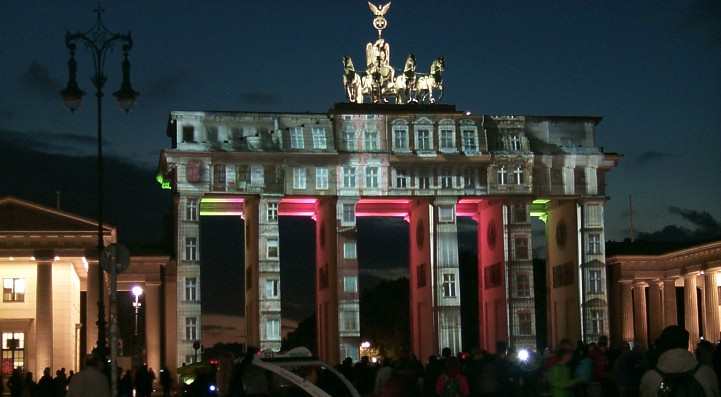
49	274
651	292
427	164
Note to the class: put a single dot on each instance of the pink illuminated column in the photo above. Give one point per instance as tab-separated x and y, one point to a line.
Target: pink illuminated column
491	274
326	289
252	309
423	334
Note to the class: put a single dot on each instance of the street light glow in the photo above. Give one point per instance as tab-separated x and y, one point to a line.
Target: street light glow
137	291
523	355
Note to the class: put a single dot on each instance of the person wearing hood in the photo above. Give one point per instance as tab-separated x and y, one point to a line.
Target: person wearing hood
675	359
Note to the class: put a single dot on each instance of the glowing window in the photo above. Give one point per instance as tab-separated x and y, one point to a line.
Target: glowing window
272	248
191	328
321	178
449	285
371	177
13	290
298	178
271	212
296	138
319	138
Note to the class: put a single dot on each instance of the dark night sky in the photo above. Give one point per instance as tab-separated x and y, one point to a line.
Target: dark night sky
651	69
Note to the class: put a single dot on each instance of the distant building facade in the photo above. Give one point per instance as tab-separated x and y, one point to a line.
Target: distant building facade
48	270
650	292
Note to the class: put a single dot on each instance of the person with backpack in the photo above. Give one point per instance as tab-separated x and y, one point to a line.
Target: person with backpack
452	383
677	372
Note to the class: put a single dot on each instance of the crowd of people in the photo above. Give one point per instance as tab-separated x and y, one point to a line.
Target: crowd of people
667	368
91	381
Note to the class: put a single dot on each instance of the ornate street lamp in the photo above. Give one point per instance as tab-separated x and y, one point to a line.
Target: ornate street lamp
99	41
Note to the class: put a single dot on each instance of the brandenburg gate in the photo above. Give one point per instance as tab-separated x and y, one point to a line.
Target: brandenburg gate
392	150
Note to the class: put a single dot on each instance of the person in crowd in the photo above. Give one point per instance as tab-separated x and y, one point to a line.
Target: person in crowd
383	375
28	385
452	383
704	353
559	376
627	370
583	369
125	385
434	369
166	381
677	370
60	383
363	375
15	383
44	388
346	368
91	381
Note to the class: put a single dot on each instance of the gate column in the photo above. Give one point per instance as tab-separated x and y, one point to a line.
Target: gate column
447	294
252	308
423	328
326	284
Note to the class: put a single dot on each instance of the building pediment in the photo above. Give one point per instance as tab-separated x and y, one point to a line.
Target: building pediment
20	216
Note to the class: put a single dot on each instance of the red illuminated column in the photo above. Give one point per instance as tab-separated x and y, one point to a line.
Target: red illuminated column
326	289
252	309
423	330
491	273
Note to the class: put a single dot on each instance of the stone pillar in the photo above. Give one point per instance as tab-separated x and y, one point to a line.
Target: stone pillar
691	307
492	276
91	306
44	317
152	325
269	282
326	288
711	314
627	309
669	302
424	340
521	304
448	297
252	272
639	315
655	311
347	268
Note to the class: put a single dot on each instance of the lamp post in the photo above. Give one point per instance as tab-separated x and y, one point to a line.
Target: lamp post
137	291
99	41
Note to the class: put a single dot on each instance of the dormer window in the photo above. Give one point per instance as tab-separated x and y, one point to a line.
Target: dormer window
188	134
470	141
296	138
400	138
423	139
515	143
447	136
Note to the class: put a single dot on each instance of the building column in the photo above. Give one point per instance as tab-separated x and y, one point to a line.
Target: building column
491	276
347	262
711	314
252	272
691	307
424	339
627	308
44	316
269	283
326	287
521	305
448	286
669	302
91	306
152	325
639	315
655	312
